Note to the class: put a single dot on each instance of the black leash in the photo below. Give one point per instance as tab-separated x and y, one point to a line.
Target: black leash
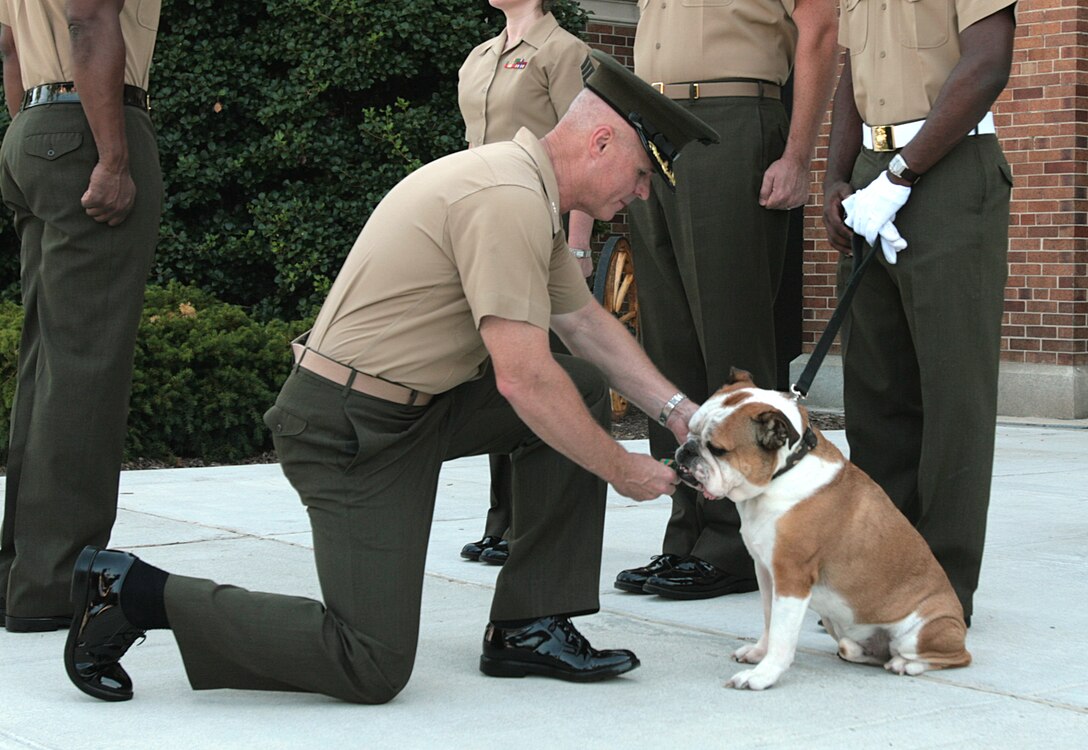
800	388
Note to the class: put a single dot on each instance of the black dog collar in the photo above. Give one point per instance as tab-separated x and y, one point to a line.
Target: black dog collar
804	445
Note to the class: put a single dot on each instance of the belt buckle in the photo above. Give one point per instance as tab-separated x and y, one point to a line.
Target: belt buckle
693	91
883	139
660	86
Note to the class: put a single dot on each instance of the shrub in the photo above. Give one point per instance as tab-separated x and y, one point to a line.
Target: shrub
204	374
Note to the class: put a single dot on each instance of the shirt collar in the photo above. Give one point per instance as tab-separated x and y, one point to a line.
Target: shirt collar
531	144
537	34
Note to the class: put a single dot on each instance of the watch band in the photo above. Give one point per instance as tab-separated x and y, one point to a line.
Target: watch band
898	167
578	252
669	406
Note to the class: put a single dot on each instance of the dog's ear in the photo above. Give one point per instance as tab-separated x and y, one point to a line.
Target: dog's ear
773	430
737	375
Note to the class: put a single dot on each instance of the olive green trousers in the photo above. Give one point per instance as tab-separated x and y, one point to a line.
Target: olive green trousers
367	472
708	260
921	348
82	292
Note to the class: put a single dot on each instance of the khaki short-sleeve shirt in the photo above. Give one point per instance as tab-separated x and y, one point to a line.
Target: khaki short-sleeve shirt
40	28
678	41
472	234
902	51
531	85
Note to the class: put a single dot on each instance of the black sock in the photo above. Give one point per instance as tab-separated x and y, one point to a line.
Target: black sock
142	597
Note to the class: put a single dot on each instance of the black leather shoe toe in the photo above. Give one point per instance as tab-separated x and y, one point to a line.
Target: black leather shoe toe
552	647
100	634
473	550
697	579
634	579
497	555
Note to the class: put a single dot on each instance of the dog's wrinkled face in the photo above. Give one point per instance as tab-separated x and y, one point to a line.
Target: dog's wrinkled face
739	438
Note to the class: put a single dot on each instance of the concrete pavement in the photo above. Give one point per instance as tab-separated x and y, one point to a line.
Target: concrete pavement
1028	686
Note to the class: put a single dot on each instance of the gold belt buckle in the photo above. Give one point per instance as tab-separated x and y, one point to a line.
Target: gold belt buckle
693	91
659	85
882	138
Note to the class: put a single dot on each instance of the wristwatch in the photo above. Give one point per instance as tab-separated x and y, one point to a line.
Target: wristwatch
579	253
898	167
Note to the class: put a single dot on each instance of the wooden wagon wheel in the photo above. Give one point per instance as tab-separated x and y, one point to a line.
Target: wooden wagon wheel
615	288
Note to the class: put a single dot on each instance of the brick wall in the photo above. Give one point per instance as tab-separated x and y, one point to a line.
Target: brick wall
1042	120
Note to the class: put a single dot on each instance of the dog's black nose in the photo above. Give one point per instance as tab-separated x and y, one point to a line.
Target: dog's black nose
687	451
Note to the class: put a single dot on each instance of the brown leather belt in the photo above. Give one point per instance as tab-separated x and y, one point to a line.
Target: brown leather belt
330	369
709	89
57	93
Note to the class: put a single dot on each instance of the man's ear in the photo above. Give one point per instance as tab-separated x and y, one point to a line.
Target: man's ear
601	138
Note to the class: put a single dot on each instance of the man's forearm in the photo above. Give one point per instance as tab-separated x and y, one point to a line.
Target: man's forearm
601	339
98	61
813	76
845	142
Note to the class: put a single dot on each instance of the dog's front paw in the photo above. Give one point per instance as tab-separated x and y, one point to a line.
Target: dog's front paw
753	653
754	679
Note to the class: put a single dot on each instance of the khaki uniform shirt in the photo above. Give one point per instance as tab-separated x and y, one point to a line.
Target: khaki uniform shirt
531	85
678	41
45	49
902	51
472	234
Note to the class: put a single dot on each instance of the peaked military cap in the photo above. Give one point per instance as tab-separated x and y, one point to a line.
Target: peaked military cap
663	126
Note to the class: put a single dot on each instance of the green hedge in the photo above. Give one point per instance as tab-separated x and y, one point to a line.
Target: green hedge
204	374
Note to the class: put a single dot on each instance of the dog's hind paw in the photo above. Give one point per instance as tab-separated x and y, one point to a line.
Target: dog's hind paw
753	653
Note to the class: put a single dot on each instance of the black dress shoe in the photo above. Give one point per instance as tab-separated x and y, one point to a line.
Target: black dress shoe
634	579
551	647
473	550
693	578
100	634
497	555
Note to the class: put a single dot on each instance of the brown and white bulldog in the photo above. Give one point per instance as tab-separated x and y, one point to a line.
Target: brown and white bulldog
823	533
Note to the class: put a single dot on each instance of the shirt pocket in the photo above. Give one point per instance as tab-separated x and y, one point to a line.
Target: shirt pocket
52	146
856	22
147	14
925	23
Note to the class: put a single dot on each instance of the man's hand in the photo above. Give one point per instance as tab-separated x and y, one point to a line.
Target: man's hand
838	234
643	477
110	195
785	185
869	209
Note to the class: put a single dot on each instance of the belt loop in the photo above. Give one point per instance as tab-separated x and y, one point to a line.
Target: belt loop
351	379
412	397
760	85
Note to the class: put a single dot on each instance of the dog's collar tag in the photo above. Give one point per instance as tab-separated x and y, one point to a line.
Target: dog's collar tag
804	445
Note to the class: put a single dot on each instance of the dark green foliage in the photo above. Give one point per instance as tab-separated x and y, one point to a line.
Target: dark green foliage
11	326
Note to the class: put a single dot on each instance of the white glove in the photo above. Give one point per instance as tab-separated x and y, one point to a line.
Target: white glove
891	242
869	209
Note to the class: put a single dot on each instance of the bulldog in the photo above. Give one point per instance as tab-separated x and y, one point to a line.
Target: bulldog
822	533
